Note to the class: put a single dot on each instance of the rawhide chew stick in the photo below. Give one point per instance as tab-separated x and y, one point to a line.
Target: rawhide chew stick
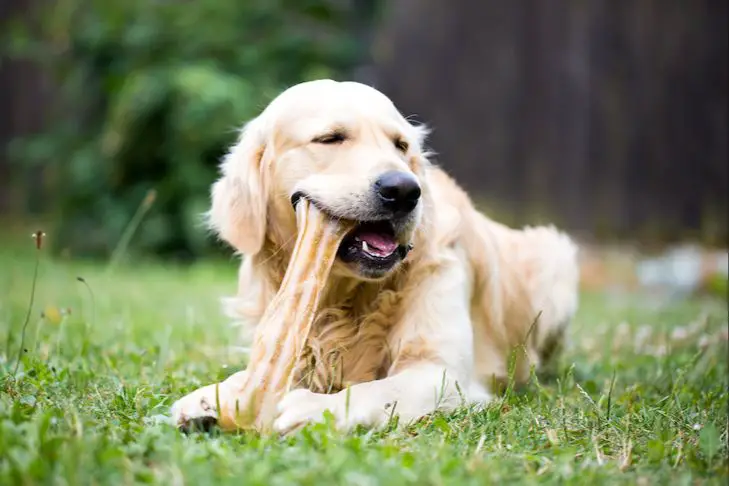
282	332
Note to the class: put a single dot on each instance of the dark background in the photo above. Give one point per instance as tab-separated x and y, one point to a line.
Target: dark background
607	117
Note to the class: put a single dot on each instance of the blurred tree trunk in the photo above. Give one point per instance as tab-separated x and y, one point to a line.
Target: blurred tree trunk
604	116
24	96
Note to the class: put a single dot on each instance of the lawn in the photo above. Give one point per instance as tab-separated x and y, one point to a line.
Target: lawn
641	396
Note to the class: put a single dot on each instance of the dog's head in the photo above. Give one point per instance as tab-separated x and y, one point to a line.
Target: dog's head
346	148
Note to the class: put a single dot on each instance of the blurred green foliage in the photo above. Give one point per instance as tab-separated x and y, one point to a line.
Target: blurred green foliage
152	93
718	285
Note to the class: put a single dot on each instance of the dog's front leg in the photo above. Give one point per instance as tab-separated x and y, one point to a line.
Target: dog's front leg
410	394
431	369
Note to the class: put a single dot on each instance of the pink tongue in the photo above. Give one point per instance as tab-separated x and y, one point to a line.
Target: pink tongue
384	243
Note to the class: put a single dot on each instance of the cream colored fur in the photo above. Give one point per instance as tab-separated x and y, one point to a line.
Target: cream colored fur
439	330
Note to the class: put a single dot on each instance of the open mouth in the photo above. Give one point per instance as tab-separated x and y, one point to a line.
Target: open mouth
372	244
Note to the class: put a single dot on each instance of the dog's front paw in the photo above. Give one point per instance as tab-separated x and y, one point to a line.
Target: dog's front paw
196	411
299	407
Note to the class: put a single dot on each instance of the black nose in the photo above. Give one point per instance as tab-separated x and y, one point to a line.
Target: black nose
398	191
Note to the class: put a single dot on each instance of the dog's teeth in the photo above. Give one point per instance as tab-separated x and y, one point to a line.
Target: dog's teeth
365	247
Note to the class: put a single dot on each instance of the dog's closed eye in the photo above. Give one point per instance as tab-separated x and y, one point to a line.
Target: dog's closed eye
330	138
401	145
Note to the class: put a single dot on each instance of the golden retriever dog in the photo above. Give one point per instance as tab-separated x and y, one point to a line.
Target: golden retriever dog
429	305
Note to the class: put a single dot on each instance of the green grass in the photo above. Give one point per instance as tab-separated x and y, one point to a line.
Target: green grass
93	386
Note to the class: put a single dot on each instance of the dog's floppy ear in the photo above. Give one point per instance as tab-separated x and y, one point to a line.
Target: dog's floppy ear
240	196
